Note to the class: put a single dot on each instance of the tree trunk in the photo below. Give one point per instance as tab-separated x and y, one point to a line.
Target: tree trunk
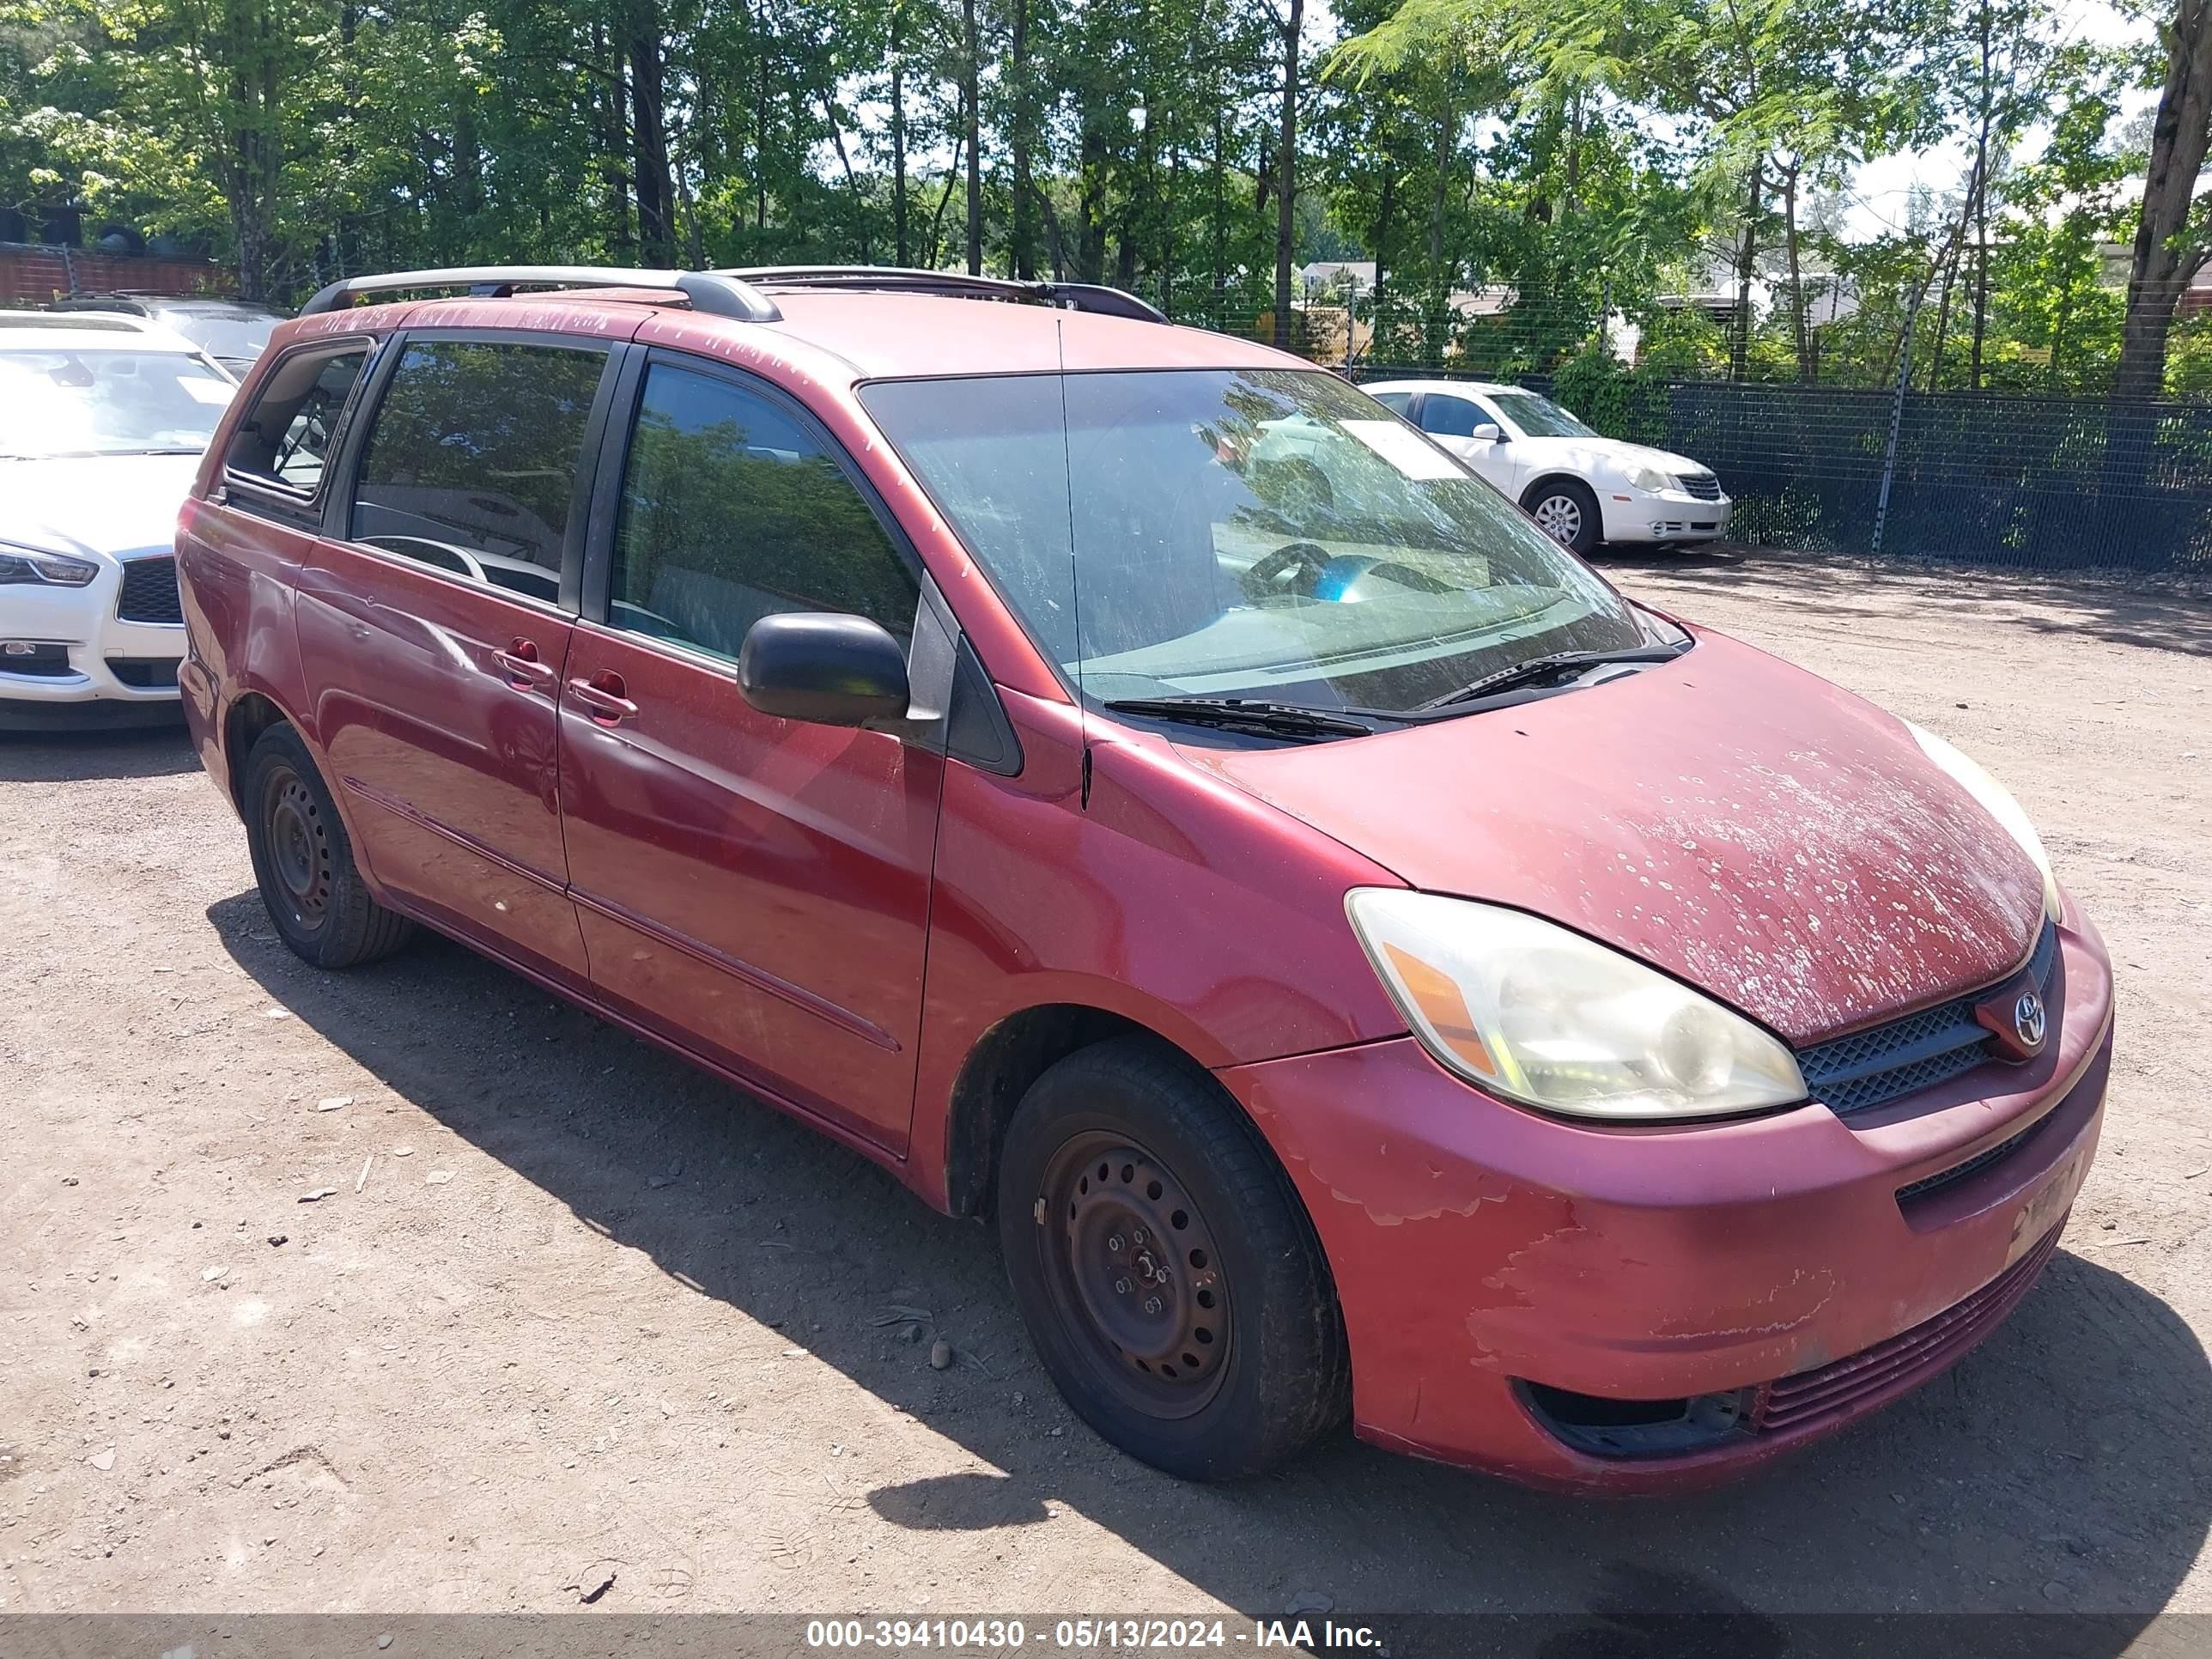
1090	203
2162	266
1800	324
970	63
1435	329
852	179
1220	210
760	115
614	143
905	249
1981	215
1378	301
1022	252
656	192
1746	262
1286	164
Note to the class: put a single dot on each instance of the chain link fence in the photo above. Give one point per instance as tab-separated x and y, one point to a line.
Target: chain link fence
2044	483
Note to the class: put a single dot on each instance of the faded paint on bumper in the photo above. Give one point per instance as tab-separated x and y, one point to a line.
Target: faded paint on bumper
1475	1243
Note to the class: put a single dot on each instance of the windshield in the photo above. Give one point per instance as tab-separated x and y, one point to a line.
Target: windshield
107	403
1261	534
239	336
1539	418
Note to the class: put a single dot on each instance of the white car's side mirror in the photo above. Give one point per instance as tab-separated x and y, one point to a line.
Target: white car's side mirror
1487	433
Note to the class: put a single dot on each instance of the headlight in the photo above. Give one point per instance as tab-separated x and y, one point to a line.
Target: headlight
1996	801
1648	478
1529	1011
28	565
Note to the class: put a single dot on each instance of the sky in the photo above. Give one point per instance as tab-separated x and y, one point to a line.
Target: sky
1881	189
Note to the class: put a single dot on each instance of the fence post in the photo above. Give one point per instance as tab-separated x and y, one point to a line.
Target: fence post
1896	419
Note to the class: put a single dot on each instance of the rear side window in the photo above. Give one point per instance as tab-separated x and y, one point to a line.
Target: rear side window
733	509
284	439
1396	402
471	464
1449	417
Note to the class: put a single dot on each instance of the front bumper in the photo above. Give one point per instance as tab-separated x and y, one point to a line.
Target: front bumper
1671	515
1479	1249
88	657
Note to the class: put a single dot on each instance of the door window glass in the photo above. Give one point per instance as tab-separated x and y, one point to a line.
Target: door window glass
733	510
471	465
1449	417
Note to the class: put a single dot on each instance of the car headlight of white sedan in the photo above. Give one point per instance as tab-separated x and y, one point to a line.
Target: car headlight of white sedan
1648	479
31	566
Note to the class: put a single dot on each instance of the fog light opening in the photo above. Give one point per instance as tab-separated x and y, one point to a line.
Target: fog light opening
1605	1427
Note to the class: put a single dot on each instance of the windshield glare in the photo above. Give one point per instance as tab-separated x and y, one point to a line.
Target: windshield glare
1261	534
107	403
1539	416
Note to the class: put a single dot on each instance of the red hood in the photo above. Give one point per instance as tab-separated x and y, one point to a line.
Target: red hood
1746	826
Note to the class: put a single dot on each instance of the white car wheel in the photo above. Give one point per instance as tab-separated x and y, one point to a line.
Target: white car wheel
1565	511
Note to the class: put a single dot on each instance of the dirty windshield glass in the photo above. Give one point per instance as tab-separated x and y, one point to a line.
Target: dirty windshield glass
1267	534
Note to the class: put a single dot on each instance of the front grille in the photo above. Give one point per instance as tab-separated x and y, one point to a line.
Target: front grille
1889	1368
149	592
1866	1068
1704	485
146	673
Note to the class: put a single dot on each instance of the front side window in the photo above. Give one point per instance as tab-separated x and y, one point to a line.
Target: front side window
1540	417
1451	417
734	509
472	461
57	402
1271	534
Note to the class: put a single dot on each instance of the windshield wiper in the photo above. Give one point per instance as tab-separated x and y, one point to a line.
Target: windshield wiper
1281	720
1560	662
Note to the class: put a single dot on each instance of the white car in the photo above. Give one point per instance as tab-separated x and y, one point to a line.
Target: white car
1580	487
102	421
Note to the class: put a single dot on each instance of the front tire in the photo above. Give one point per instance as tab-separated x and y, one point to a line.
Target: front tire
1566	511
312	888
1171	1281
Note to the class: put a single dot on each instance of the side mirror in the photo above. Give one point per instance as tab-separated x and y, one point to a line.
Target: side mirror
822	667
1487	433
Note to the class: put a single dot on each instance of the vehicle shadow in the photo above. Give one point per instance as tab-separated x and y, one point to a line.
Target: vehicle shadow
2154	612
37	757
2062	1469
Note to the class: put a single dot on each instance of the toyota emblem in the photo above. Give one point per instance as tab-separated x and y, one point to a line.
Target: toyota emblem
2027	1021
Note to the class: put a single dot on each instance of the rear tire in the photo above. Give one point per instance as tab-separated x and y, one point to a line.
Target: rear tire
1566	511
1171	1283
311	886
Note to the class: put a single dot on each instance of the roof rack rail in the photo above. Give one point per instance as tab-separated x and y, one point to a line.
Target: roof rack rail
716	293
1073	296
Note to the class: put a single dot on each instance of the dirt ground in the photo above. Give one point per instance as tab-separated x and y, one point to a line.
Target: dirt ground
588	1314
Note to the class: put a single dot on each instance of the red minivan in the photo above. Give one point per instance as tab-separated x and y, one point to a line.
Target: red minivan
1136	787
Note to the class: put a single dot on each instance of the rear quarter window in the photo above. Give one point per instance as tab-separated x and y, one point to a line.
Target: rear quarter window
284	440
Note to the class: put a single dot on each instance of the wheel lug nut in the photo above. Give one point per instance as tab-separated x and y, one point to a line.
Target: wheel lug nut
1117	1243
1153	1304
1121	1287
1140	1235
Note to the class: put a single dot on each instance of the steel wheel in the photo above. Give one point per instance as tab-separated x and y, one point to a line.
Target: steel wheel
1559	516
299	844
1133	1271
